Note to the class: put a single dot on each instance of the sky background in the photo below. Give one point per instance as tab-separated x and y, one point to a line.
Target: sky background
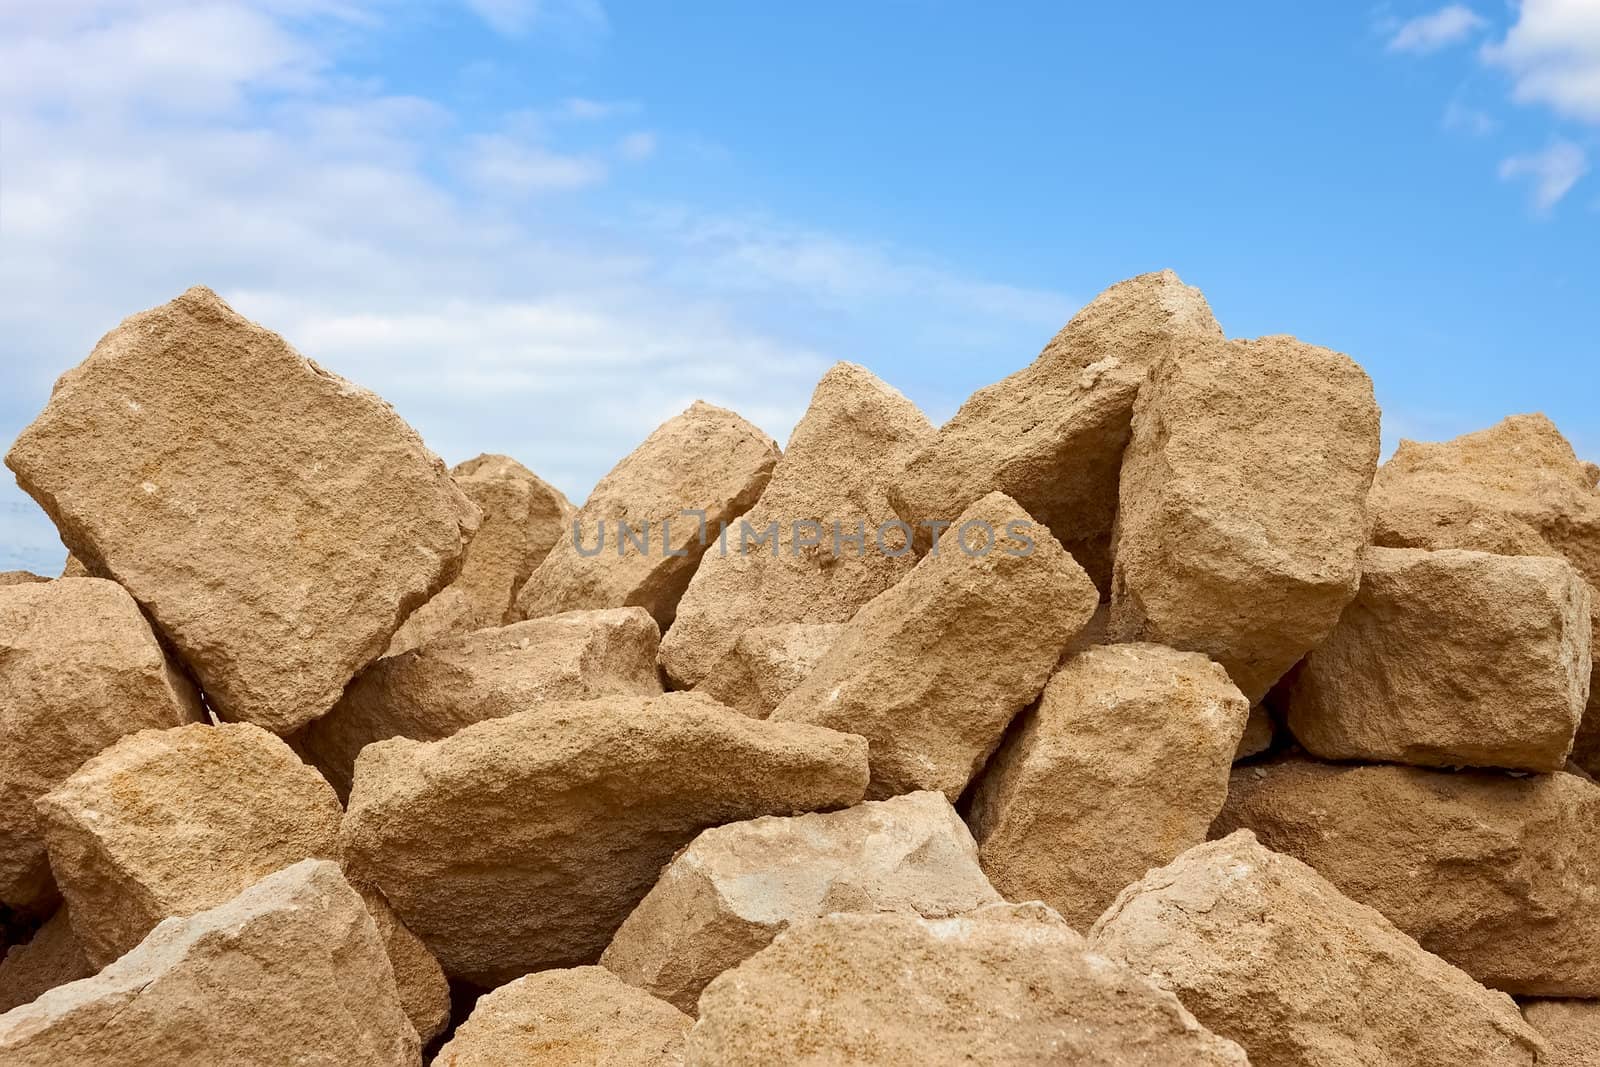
541	227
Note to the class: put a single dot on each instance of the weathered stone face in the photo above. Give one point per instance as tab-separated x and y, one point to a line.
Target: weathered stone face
275	521
1571	1027
523	519
768	663
53	957
446	615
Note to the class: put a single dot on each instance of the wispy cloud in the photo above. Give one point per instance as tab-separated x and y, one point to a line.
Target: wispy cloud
517	166
1553	54
1552	172
1463	119
514	18
638	145
1441	29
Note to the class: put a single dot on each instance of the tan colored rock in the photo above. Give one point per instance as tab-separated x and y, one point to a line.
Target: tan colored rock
1259	734
768	663
275	521
1266	951
1119	768
523	842
735	887
1243	503
579	1017
74	568
1004	985
289	971
1591	471
1450	659
79	668
419	980
436	690
708	460
446	615
523	518
54	957
171	822
934	668
1051	436
20	578
835	472
1570	1027
1499	875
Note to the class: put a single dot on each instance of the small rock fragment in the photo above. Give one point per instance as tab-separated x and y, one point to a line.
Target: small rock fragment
523	518
1265	951
1259	733
1119	768
735	887
54	957
579	1017
446	615
74	568
1243	503
523	842
289	971
768	663
639	536
419	980
934	668
1570	1027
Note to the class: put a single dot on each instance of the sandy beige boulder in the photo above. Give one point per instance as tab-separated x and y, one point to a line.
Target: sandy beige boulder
1120	767
933	669
767	663
20	578
79	668
432	692
74	568
523	843
1266	951
578	1017
1260	732
735	887
289	971
275	521
446	615
523	518
171	822
1570	1027
1051	436
1004	985
419	980
640	535
832	480
53	957
1499	875
1243	503
1450	659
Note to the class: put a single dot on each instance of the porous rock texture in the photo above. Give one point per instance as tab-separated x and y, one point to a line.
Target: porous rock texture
575	1017
419	980
1243	500
1051	436
1119	768
725	897
1267	952
274	520
445	615
1499	875
171	822
431	692
53	957
1002	985
697	471
20	578
1450	659
768	663
523	518
933	669
1570	1027
522	843
831	484
79	668
289	971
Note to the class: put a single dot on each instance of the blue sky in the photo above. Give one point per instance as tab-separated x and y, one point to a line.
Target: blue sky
543	227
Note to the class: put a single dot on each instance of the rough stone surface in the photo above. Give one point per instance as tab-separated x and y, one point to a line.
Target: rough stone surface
432	692
1243	503
768	663
54	957
522	843
578	1017
418	978
79	668
74	568
446	615
20	578
934	668
289	971
706	459
726	896
171	822
853	440
1450	659
1570	1027
1260	731
1051	436
1499	875
1266	951
523	518
1004	985
275	521
1119	768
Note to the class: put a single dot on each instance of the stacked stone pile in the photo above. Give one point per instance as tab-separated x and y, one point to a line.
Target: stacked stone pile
1135	717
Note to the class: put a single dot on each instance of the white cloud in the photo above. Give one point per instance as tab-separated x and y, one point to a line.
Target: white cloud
515	18
1552	172
1464	119
1553	54
1429	33
638	145
517	166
